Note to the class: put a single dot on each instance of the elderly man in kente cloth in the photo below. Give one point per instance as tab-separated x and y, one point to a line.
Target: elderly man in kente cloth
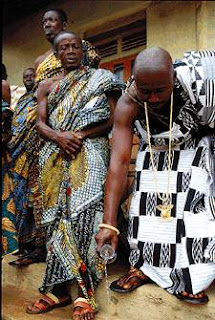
32	236
172	217
74	116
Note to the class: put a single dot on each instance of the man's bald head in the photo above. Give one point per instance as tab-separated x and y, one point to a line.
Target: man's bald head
154	76
152	60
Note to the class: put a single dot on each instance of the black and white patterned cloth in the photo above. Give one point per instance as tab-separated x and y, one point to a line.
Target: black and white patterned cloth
178	253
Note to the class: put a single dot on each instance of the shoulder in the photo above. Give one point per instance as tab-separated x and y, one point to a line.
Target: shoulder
41	58
5	85
38	61
6	94
126	110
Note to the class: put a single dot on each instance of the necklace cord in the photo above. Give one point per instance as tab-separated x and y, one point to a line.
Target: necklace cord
164	200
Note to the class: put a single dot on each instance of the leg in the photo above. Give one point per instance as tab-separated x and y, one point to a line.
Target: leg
38	255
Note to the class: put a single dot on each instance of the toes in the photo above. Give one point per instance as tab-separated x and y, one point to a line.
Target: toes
199	295
129	284
89	316
33	309
185	294
86	315
77	316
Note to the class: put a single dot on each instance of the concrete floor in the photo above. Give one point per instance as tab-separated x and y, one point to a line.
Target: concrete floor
149	302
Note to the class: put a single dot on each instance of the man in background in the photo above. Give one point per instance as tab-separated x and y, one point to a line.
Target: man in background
30	235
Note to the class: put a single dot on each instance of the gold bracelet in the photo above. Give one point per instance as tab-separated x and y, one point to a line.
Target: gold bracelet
108	226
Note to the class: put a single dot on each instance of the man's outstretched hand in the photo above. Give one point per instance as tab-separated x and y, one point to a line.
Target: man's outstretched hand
106	236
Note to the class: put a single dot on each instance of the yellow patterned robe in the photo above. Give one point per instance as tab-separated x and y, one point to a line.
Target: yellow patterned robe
73	189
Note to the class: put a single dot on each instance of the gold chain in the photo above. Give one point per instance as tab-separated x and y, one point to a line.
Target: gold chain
164	200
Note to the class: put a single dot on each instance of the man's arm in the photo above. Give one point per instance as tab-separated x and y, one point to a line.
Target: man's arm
67	141
126	110
6	96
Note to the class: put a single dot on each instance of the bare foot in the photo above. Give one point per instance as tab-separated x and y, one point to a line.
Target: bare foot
82	310
198	298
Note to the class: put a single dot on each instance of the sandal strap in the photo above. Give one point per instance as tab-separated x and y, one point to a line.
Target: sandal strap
134	273
83	303
41	306
48	300
53	297
81	299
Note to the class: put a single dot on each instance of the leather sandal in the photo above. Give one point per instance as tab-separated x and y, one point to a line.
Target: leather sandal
198	298
141	279
47	303
29	258
81	308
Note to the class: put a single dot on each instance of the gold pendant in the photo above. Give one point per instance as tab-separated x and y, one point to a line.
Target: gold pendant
165	210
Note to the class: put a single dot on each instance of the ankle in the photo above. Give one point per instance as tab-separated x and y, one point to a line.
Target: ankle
60	290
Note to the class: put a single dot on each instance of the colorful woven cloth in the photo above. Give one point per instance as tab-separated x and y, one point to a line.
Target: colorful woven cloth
24	150
178	253
9	234
73	189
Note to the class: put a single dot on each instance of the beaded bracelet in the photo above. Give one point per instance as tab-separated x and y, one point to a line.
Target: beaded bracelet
108	226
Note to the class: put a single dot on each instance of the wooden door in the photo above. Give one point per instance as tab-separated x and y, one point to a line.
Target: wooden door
122	67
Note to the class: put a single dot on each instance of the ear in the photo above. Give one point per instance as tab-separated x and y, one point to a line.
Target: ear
64	25
55	53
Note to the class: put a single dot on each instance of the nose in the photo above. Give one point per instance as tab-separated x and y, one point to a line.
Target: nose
29	77
46	24
71	49
153	98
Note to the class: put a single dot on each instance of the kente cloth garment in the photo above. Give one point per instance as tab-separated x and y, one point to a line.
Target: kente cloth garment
73	189
9	234
16	93
24	168
177	253
52	66
48	68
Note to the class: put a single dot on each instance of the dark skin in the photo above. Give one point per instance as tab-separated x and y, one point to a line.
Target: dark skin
5	91
52	25
29	79
69	51
154	85
7	98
